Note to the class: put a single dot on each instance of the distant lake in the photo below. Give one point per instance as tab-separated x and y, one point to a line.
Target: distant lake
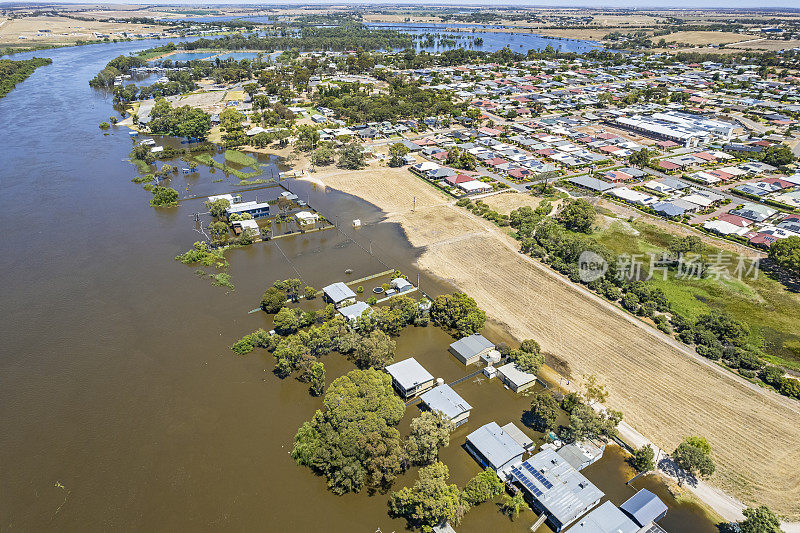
189	56
212	20
492	41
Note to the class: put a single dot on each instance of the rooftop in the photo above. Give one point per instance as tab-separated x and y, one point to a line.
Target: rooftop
497	446
445	400
605	519
644	507
338	292
471	345
409	373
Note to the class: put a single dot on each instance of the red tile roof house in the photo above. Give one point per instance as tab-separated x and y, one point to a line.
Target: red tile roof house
610	149
666	144
606	136
491	132
615	176
458	178
519	173
546	151
668	165
761	239
779	182
441	156
721	174
705	156
792	218
735	220
496	162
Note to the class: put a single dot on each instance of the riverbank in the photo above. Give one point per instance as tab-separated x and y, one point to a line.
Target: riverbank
665	391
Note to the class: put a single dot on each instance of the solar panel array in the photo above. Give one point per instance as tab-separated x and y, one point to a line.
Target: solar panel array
538	475
527	483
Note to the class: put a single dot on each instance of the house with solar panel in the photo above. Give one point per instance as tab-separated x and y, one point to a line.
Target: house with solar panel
555	488
494	448
448	402
410	378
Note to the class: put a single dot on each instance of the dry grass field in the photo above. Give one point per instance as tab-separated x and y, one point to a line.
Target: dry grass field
704	37
664	392
770	45
62	30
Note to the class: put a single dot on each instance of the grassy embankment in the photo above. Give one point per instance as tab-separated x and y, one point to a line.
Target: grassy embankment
767	306
239	159
14	72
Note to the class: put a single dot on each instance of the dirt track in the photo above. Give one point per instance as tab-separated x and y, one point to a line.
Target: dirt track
664	392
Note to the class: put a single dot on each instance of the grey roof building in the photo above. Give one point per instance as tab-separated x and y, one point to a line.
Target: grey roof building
469	349
515	378
522	439
581	454
494	448
588	182
354	311
409	377
556	488
448	402
644	508
605	519
668	209
339	294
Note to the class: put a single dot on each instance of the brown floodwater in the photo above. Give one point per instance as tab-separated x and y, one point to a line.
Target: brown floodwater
122	406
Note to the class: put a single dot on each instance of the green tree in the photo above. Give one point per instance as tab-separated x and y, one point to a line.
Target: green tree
513	505
528	357
585	423
778	155
693	456
286	321
322	156
309	292
429	432
544	411
316	378
376	350
759	520
351	157
218	231
458	313
577	215
429	502
352	441
217	207
786	254
482	488
164	197
273	300
397	151
642	459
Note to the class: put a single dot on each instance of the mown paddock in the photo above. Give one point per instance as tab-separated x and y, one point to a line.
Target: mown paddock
665	393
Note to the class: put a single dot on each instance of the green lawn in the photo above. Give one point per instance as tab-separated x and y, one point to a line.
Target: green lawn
771	311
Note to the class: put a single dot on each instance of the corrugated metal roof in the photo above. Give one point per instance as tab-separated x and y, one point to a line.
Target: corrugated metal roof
495	445
409	373
338	292
644	507
471	345
445	400
605	519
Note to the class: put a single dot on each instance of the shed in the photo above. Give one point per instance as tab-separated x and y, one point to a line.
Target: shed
401	284
494	448
644	508
469	349
521	438
448	402
409	377
516	379
339	294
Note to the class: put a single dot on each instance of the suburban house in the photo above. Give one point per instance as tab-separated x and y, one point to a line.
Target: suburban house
514	378
522	439
254	209
555	488
605	519
494	448
339	294
447	401
306	219
410	378
581	454
469	349
401	284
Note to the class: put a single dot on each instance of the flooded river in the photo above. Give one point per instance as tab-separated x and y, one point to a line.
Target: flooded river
123	407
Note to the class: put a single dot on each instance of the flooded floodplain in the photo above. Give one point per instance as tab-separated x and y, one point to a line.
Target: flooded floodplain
123	405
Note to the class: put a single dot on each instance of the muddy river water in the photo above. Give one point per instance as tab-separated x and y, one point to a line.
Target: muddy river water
122	406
